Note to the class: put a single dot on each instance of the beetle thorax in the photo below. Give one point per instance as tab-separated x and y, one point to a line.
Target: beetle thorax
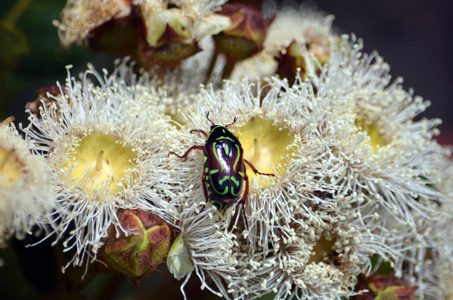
219	132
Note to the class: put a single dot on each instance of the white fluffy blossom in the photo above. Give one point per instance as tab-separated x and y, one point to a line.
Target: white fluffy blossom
304	237
430	265
106	155
388	154
26	193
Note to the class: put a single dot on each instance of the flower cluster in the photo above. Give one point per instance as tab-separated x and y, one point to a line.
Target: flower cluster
329	172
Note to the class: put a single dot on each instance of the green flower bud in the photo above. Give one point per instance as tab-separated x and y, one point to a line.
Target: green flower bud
246	34
141	247
171	54
116	36
383	287
169	36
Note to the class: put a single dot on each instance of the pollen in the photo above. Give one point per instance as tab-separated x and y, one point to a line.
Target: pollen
11	168
264	144
101	162
376	139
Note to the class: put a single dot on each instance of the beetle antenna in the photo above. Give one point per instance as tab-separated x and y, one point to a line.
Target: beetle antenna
207	117
234	121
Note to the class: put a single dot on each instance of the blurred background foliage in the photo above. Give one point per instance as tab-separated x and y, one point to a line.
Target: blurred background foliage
31	55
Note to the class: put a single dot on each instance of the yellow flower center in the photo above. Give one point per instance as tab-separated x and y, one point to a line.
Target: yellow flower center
101	161
264	144
323	250
10	167
376	139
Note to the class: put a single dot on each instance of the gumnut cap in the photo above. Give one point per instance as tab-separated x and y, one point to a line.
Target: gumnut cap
43	98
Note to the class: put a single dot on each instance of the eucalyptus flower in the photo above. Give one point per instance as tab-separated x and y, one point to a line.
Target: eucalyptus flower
26	193
297	34
389	154
305	24
390	158
430	267
304	236
106	155
188	20
339	175
171	95
80	17
174	29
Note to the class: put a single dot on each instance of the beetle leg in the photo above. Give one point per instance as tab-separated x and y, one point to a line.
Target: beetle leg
205	190
255	170
187	152
246	192
200	131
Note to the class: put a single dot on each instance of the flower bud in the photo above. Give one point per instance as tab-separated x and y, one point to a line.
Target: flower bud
170	55
140	246
246	34
116	36
168	35
166	26
43	98
294	61
383	287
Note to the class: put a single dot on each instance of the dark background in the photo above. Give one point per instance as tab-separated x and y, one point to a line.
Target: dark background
415	38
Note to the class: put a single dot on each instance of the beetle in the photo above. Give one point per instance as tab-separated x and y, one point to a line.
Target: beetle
323	195
224	167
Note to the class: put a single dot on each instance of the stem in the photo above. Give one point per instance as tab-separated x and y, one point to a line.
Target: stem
16	11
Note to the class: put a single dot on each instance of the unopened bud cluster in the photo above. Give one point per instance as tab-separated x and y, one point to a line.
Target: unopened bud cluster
168	33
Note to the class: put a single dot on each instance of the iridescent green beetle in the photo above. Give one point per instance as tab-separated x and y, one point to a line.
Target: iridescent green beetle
224	167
